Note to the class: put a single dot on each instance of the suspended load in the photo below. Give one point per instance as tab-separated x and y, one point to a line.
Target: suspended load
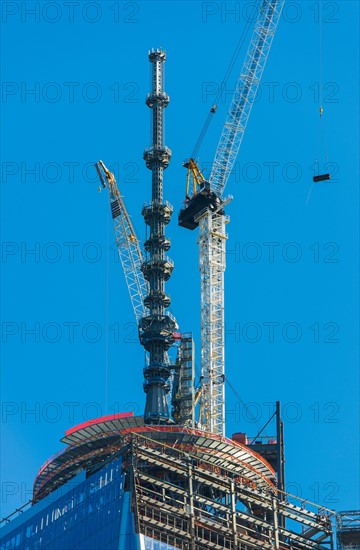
322	177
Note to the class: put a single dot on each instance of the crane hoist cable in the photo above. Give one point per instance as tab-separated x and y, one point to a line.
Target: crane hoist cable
107	315
262	429
213	109
321	142
103	185
204	130
246	407
194	174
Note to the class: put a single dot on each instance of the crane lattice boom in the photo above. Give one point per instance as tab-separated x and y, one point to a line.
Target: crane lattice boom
127	244
245	93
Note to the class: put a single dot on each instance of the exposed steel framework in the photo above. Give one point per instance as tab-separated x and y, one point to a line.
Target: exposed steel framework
348	530
200	502
191	489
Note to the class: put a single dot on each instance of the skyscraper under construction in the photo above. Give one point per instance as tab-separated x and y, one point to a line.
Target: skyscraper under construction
161	481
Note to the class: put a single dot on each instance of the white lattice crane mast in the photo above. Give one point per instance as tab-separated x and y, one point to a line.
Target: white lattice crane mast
205	209
126	242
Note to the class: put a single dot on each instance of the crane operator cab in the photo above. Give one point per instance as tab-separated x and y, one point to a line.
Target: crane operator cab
204	199
201	199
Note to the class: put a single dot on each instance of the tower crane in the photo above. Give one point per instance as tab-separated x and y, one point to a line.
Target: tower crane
205	209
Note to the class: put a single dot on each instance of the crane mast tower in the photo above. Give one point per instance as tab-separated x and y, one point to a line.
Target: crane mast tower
156	327
205	209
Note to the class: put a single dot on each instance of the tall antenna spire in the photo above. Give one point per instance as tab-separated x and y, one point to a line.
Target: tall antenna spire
157	327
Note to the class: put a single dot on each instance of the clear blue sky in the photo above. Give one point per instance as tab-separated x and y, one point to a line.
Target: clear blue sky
293	263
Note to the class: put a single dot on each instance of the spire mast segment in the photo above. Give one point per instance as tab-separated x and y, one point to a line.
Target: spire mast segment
157	326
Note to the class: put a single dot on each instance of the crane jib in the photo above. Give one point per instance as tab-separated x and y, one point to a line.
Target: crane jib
245	94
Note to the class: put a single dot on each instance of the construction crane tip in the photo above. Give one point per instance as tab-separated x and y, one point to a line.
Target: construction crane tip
100	175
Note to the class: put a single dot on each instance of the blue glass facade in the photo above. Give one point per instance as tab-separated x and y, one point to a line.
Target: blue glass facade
84	514
151	544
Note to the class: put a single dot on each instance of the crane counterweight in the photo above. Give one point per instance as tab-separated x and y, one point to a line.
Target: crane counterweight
205	199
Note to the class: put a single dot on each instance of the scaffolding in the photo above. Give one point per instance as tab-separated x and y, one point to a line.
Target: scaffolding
348	530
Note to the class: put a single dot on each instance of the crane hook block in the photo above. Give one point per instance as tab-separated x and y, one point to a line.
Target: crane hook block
322	177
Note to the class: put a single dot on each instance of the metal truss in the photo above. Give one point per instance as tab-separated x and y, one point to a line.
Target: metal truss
212	239
127	244
190	503
245	93
130	257
348	530
183	385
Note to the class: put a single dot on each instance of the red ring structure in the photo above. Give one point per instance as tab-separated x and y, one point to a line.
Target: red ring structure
96	440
